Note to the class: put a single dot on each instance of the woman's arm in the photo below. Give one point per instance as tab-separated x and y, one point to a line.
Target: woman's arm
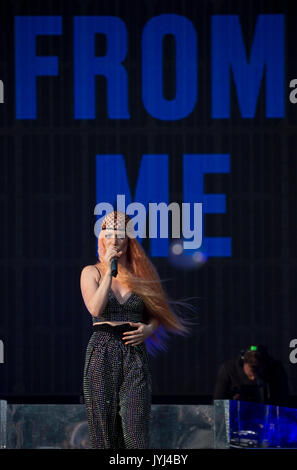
95	295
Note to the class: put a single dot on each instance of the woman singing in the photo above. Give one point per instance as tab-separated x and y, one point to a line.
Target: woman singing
130	317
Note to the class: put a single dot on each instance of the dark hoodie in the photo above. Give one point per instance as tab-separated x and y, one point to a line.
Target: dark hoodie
271	387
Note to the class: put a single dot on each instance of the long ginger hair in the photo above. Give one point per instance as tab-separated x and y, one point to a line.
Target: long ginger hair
142	278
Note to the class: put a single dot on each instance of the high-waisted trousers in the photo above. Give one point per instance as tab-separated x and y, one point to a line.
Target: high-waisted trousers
117	385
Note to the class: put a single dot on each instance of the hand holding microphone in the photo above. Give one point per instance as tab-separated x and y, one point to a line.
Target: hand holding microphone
111	259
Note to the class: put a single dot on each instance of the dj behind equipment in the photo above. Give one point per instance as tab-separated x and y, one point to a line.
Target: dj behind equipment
252	376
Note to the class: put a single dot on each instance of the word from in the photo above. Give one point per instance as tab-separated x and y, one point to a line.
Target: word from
231	62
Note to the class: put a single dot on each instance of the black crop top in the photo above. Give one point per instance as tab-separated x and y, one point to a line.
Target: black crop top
133	309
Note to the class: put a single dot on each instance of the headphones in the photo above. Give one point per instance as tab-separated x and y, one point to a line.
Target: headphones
254	347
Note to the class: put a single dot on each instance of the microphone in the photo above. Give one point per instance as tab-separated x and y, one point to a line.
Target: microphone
114	267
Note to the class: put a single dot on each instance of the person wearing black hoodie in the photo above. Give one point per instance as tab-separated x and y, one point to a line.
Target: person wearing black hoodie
253	376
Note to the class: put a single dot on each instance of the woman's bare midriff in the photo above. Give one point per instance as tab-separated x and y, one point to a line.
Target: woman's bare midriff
112	323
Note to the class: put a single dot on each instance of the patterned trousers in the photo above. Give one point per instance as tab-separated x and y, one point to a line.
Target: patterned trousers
117	385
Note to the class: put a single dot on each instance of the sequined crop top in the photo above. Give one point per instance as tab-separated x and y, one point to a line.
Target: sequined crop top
133	309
